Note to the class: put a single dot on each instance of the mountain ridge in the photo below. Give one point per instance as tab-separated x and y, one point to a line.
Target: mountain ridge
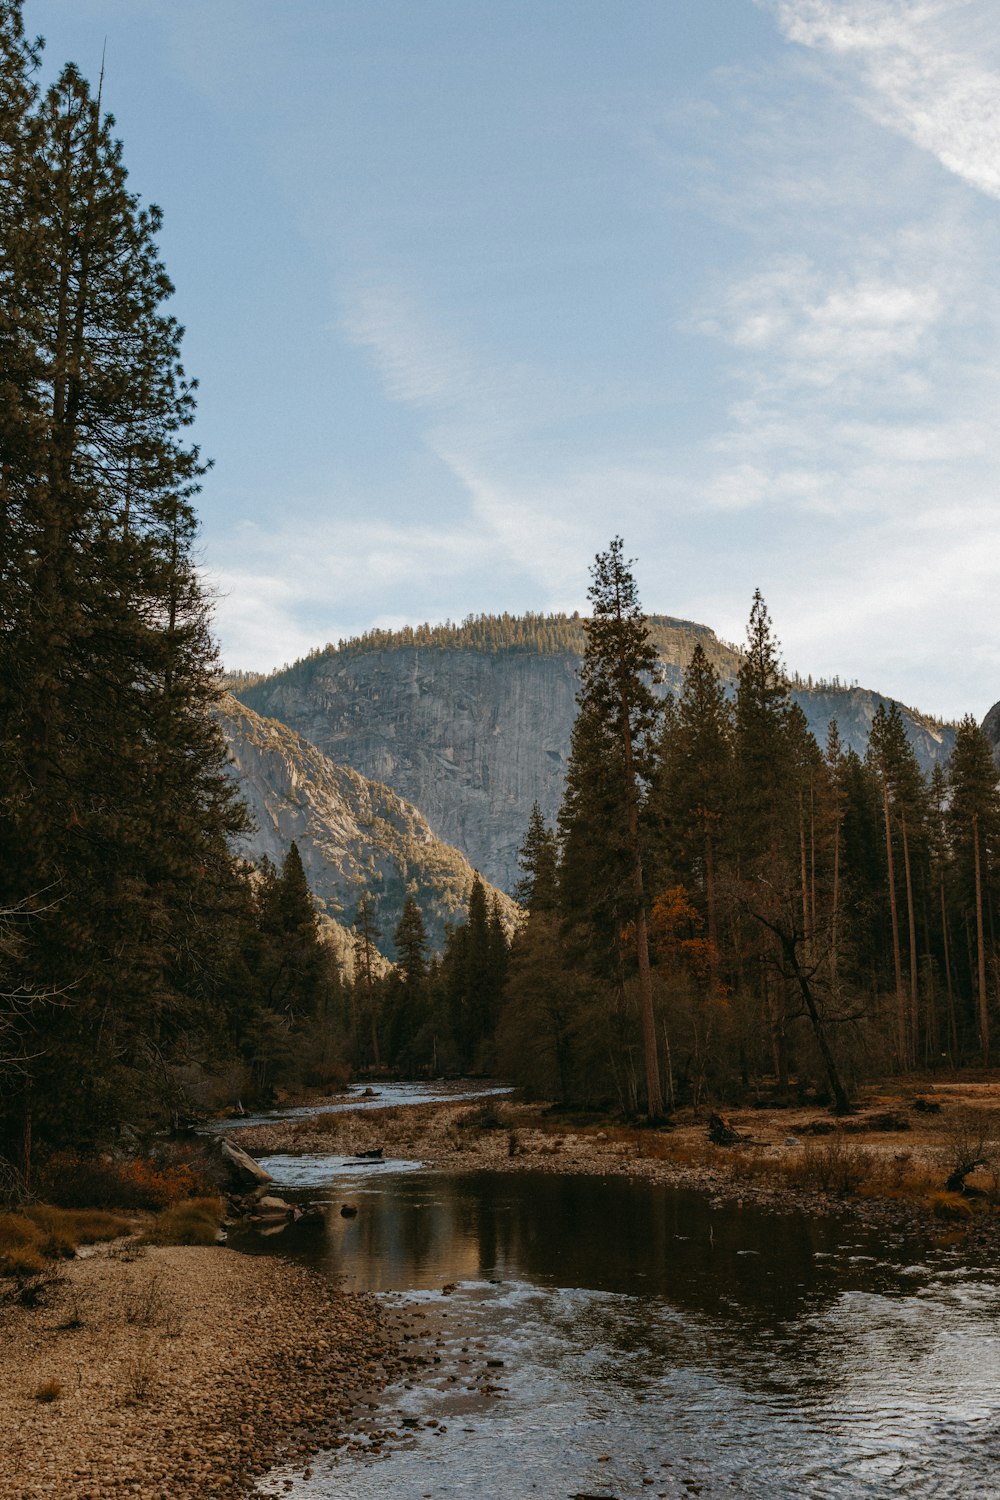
472	734
353	834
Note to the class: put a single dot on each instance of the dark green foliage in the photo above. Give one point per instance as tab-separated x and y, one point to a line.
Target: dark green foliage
539	859
764	753
132	937
839	914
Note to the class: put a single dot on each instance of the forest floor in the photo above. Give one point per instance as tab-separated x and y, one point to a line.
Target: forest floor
180	1372
888	1161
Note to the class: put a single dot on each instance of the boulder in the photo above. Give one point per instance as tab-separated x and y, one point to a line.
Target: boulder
271	1205
242	1168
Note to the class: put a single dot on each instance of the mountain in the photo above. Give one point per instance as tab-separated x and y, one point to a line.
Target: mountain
991	729
353	834
471	723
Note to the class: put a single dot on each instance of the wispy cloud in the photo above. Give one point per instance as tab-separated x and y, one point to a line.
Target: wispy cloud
925	68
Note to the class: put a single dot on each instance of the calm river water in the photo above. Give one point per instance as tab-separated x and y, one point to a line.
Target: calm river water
655	1344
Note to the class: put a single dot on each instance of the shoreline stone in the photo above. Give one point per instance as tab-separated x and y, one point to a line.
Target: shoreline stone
183	1374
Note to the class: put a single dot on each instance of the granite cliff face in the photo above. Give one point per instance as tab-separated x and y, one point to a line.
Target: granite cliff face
474	731
991	729
353	833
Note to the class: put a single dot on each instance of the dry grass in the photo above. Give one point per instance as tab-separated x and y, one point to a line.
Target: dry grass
951	1207
49	1390
193	1222
40	1233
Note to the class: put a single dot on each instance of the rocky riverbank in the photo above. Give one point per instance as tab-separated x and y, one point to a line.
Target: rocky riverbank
180	1373
888	1162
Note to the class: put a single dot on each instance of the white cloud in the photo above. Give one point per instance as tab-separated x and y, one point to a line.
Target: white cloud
927	69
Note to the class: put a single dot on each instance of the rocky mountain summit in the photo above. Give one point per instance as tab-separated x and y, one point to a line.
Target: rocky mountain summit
471	723
353	834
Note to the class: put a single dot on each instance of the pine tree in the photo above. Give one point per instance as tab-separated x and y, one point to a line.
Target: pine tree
115	807
538	857
615	751
974	816
764	768
410	939
366	956
693	787
904	808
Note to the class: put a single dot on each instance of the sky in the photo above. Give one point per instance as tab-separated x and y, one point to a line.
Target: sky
471	287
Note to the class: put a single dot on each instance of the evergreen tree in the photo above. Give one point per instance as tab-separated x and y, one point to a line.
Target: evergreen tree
409	1038
904	813
410	939
614	749
763	751
291	975
366	960
693	788
538	857
974	817
115	808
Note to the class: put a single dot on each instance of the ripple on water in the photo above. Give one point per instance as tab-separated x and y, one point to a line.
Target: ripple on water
317	1169
684	1365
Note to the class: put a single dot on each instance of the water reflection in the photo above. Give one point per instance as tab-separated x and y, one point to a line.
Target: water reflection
770	1355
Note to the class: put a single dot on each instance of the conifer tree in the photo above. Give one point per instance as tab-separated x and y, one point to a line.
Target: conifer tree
974	816
538	857
904	808
764	769
366	935
410	939
115	807
614	749
693	787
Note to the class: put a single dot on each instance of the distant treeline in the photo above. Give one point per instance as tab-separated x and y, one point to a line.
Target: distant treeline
530	634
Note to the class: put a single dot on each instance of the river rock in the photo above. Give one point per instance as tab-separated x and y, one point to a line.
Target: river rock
246	1171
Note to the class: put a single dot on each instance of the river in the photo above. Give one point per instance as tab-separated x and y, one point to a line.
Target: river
616	1338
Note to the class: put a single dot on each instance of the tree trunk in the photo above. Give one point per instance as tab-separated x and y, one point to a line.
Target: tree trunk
912	925
984	1016
654	1097
901	1029
952	1020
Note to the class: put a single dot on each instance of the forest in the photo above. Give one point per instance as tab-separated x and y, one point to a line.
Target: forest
722	903
724	907
135	950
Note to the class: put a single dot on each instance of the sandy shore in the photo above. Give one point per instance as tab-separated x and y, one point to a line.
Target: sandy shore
183	1373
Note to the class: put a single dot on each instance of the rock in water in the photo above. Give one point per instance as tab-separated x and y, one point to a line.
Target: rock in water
242	1168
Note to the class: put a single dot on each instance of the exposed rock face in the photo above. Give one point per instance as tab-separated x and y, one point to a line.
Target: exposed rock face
854	709
991	729
473	736
353	834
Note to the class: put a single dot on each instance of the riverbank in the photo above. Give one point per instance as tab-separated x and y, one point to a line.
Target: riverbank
180	1373
889	1162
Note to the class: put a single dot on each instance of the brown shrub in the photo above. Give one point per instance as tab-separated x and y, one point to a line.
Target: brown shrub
836	1166
49	1390
72	1181
951	1207
22	1261
78	1226
194	1222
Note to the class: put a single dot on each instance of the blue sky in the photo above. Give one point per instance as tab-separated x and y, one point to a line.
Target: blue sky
471	285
